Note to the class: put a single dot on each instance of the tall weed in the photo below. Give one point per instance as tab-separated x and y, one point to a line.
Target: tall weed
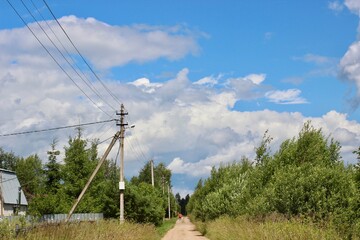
244	228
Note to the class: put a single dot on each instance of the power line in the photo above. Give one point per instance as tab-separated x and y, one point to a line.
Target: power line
90	86
138	156
59	65
56	128
137	142
87	64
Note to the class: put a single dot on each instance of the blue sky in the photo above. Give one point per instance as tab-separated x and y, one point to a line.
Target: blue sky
202	80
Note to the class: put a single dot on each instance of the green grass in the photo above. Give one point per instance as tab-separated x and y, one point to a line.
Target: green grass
243	228
107	229
166	226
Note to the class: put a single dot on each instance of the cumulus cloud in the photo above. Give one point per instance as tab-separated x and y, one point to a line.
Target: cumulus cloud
146	85
105	45
350	62
248	87
210	80
290	96
255	78
189	124
353	5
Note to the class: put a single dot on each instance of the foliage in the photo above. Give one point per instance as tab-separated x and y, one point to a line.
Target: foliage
357	167
30	174
182	202
305	177
162	181
272	228
162	176
8	160
221	193
52	170
144	204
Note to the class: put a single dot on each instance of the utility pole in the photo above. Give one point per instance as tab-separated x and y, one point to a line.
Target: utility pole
169	212
163	183
152	172
19	201
122	125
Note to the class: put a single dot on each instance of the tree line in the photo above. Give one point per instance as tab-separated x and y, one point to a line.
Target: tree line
52	187
304	179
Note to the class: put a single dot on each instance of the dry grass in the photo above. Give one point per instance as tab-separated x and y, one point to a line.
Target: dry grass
95	230
242	228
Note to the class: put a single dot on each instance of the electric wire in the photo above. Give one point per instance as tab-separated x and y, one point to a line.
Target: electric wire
117	154
87	64
65	49
59	65
105	140
103	132
138	156
137	141
62	54
55	128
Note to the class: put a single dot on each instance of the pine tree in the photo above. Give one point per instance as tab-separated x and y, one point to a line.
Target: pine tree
52	170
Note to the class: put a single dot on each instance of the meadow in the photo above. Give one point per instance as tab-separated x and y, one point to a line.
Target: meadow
245	228
105	229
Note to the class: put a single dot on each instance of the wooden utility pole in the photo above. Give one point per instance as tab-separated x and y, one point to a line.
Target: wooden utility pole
115	138
122	125
152	172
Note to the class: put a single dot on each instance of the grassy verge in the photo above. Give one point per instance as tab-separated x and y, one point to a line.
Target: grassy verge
166	226
90	230
243	228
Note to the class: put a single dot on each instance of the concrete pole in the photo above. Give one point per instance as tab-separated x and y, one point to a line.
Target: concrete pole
152	172
169	201
122	182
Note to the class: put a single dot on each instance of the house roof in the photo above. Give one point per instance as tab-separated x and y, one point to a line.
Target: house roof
10	188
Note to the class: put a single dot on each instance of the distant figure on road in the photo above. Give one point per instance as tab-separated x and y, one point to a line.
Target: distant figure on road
180	216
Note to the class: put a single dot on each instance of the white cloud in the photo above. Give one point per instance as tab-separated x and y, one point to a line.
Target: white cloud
105	45
353	5
317	59
290	96
350	65
255	78
146	85
248	87
350	62
190	127
211	81
336	6
179	166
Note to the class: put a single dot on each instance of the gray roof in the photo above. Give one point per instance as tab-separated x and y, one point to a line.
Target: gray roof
10	188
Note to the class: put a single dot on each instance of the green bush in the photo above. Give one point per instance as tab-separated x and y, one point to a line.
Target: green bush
304	178
143	204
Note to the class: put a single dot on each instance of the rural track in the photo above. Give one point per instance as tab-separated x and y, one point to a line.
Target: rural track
184	230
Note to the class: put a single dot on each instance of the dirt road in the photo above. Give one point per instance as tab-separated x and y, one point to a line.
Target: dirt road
184	230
